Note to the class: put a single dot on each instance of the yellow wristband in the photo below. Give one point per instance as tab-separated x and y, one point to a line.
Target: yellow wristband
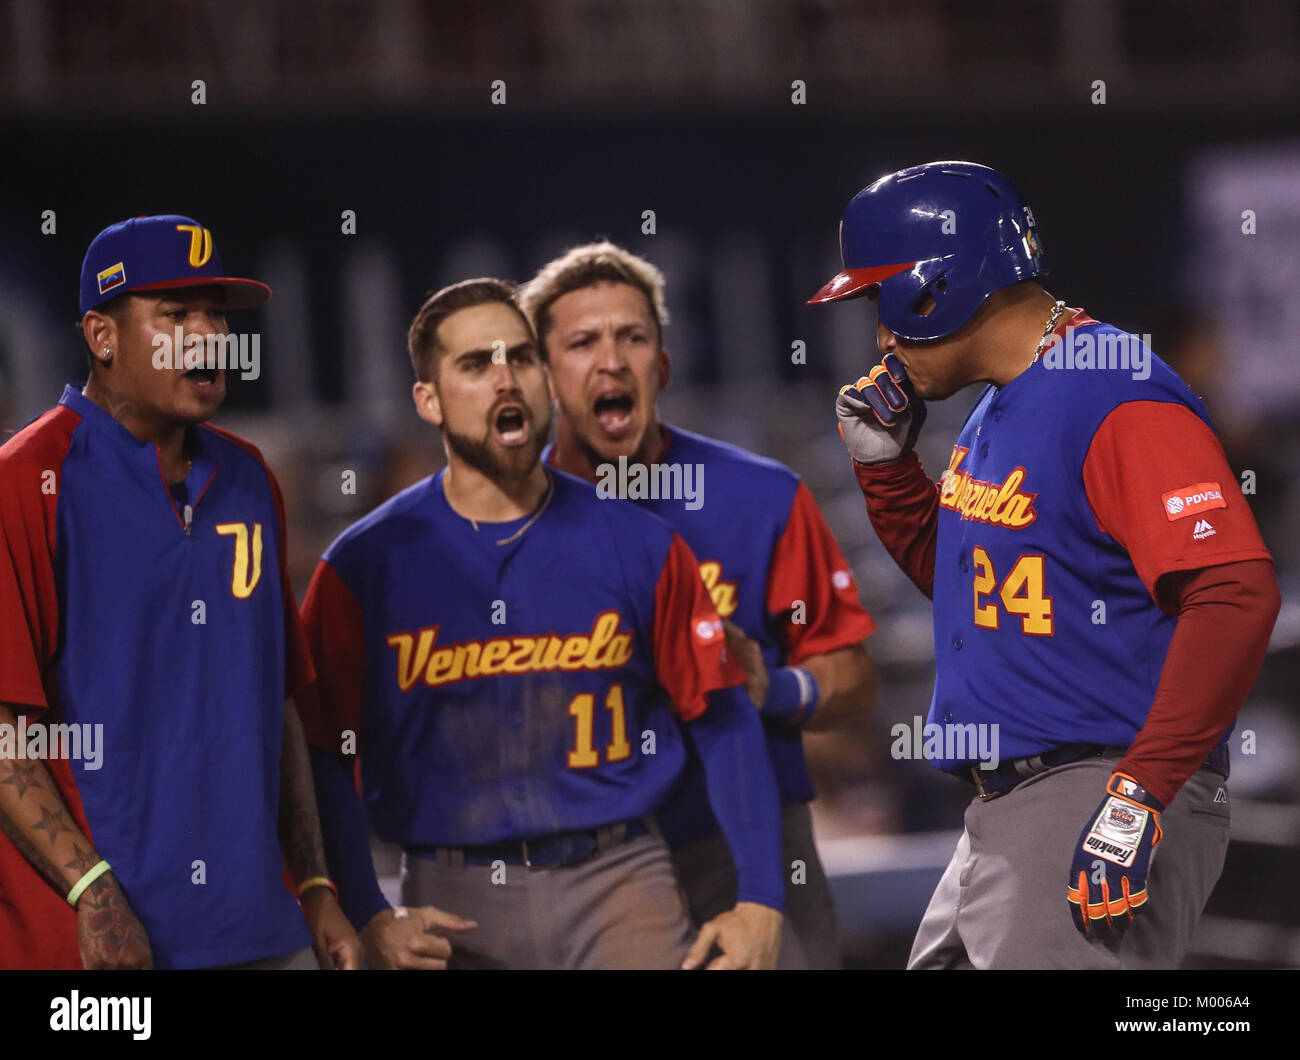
79	888
317	881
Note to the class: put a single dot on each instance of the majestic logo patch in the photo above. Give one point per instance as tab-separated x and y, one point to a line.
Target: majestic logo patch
981	501
1202	529
1192	500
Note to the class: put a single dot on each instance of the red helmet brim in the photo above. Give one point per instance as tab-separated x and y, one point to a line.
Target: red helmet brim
850	282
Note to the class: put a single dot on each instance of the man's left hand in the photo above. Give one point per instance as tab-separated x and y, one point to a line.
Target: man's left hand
1108	877
333	937
749	937
750	657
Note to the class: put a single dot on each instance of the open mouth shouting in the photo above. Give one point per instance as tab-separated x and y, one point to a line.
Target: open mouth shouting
613	411
511	425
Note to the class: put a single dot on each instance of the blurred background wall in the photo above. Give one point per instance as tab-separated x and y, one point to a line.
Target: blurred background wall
1158	141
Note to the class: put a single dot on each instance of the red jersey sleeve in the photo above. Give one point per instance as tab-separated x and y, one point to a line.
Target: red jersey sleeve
1159	483
809	569
335	633
689	645
38	929
299	674
30	467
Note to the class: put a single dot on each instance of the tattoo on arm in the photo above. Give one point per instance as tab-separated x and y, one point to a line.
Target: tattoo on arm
300	833
83	860
29	850
22	775
52	822
35	819
104	919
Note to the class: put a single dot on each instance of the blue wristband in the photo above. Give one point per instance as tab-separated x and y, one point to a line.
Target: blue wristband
792	695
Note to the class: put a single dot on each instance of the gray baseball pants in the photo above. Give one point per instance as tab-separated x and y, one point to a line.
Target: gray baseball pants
1001	901
620	909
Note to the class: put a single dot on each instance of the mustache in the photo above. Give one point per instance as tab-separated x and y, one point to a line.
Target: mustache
510	402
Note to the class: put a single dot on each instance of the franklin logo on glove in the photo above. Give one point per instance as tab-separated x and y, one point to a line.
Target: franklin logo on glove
1125	832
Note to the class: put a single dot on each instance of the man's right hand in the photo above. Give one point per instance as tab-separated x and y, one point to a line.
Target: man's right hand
410	937
108	933
880	415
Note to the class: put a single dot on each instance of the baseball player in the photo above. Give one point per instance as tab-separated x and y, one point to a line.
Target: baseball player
773	568
506	651
1102	596
151	635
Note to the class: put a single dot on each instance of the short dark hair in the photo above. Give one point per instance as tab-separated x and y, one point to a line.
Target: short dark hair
422	336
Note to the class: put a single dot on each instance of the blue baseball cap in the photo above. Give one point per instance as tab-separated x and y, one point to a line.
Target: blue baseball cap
157	254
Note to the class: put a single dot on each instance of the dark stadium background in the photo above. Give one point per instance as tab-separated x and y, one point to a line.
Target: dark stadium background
685	108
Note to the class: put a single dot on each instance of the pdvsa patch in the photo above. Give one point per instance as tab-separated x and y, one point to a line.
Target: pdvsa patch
706	630
1190	500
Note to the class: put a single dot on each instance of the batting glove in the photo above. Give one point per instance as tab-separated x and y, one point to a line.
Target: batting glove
880	415
1108	878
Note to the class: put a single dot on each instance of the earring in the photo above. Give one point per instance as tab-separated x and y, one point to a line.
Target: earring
107	353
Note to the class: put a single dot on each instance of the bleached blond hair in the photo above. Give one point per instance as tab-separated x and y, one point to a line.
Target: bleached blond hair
582	266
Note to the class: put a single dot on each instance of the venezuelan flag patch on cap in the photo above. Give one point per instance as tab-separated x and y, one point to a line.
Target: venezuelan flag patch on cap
113	276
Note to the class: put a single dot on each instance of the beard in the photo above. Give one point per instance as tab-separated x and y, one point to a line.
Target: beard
498	463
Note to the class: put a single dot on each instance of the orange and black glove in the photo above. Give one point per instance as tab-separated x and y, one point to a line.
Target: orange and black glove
1108	877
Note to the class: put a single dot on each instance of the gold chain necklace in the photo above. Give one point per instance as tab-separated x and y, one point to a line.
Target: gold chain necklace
546	500
1057	310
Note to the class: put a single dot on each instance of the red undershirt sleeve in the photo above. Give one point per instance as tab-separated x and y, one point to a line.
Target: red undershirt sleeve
903	506
1158	482
1225	616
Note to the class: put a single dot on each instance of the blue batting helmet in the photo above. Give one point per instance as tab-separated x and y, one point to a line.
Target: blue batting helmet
953	231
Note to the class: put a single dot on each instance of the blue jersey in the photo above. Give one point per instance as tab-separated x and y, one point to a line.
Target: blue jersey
513	680
159	624
772	567
1069	493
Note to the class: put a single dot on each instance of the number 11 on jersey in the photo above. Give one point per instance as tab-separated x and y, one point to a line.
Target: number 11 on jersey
583	708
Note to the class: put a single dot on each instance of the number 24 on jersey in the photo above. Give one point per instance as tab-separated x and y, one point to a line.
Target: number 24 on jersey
1021	593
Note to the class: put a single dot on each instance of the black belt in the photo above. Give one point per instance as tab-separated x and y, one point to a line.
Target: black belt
994	782
562	848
